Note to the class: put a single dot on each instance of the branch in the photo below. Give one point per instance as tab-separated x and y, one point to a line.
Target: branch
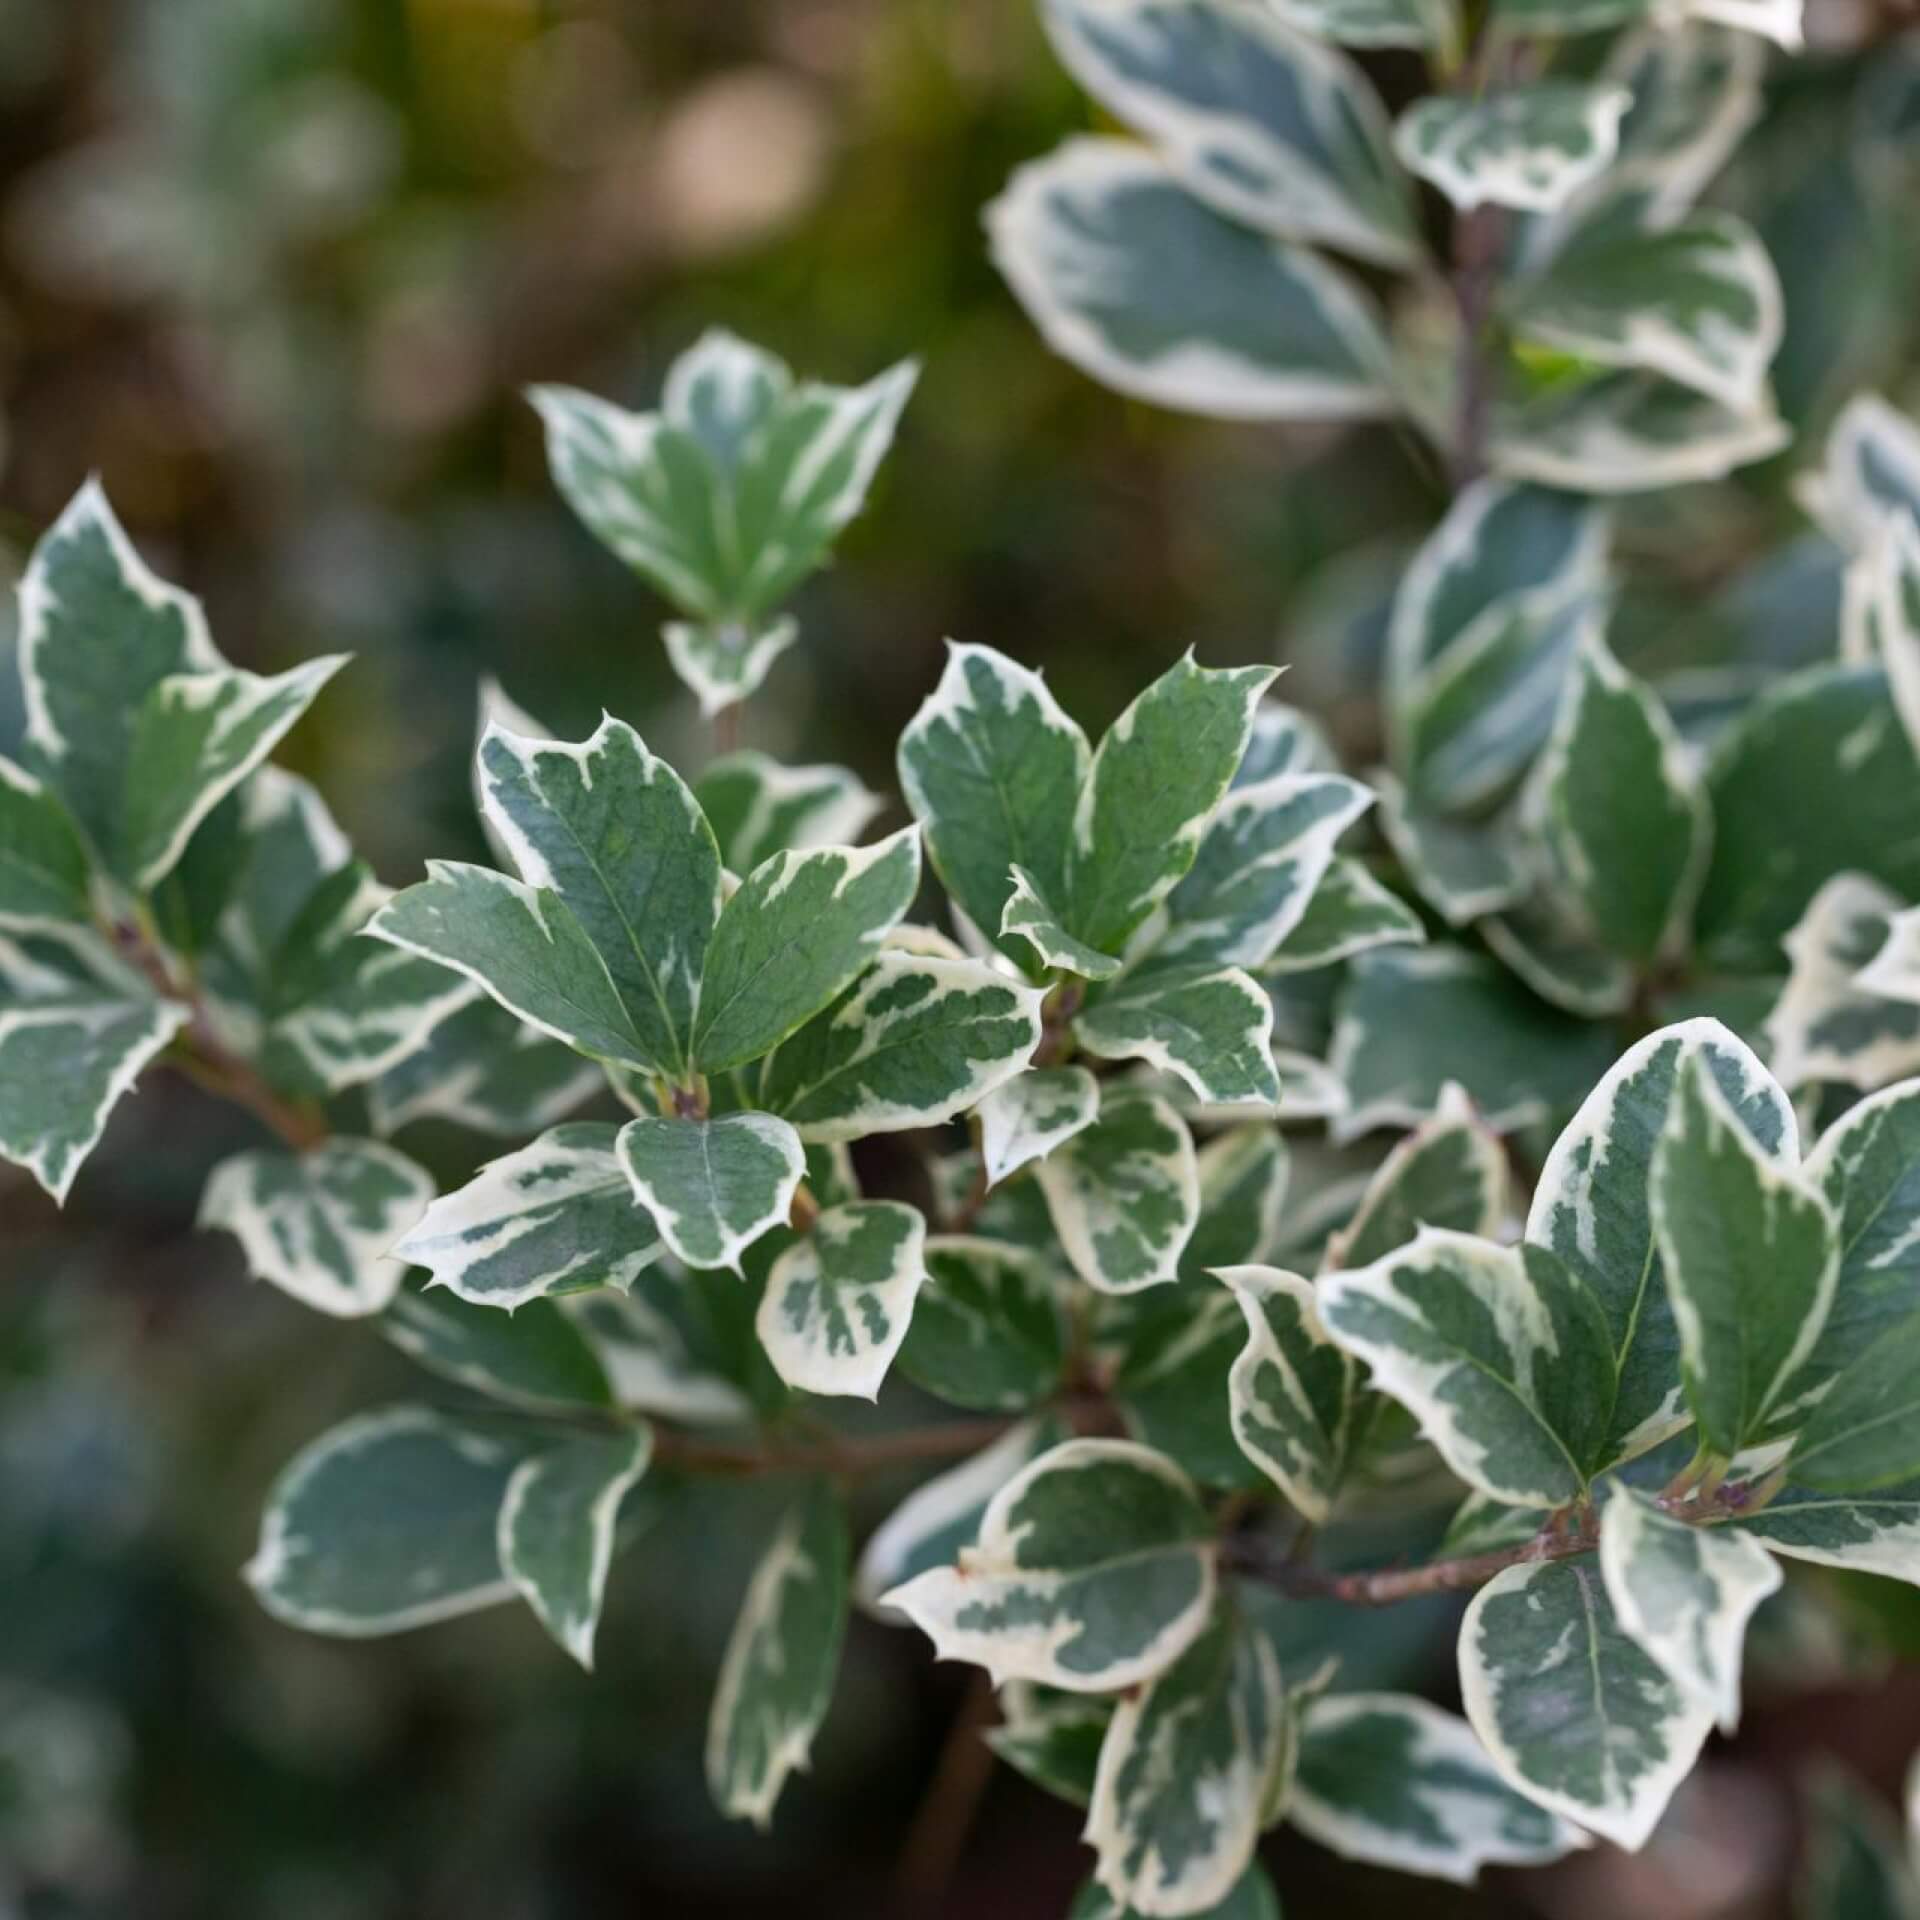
849	1456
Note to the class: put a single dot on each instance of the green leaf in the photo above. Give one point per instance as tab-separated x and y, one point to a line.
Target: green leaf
1683	1595
776	1678
1828	1025
1630	433
1856	1866
1374	23
76	1027
1150	794
1262	859
1831	736
1550	949
1619	808
1212	1026
1449	1172
1750	1251
195	738
1570	1709
1866	1532
1593	1207
799	931
1531	147
319	1224
1864	1433
837	1305
1291	1389
1135	282
1500	1353
616	833
1094	1569
757	808
1413	1020
912	1043
1477	640
942	1515
1871	472
675	1346
1867	1164
1559	17
725	661
43	862
533	1358
1251	1898
713	1186
482	1069
1030	918
1053	1739
386	1522
1463	870
556	1529
1350	912
1257	120
1185	1770
991	768
987	1329
1389	1780
729	496
1124	1193
1025	1118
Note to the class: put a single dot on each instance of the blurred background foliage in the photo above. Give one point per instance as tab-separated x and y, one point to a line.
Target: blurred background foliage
279	269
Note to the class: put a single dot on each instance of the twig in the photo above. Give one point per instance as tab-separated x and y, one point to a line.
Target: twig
938	1835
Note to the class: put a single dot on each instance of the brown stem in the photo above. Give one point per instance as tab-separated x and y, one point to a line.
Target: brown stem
938	1835
726	729
850	1455
1477	240
1056	1021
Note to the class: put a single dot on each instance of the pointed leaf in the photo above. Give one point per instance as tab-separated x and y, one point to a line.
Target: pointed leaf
1350	912
725	661
1449	1172
1031	918
713	1186
1868	1532
758	808
1025	1118
556	1529
482	1069
1213	1026
1094	1569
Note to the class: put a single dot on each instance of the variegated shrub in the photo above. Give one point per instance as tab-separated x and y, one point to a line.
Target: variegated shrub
1495	1176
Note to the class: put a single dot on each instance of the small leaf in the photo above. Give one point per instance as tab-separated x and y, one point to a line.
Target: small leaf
1251	1898
986	1329
556	1529
1463	870
1094	1569
482	1069
1559	959
725	661
1499	1353
1868	1532
1374	23
319	1224
1257	120
757	808
1751	1256
796	935
776	1678
1449	1172
1135	282
535	1358
1184	1774
1030	918
1827	1024
680	1345
713	1186
837	1305
1054	1739
1569	1708
1871	472
1389	1780
1531	147
43	863
1212	1026
1025	1118
1350	912
1865	1431
1124	1194
388	1522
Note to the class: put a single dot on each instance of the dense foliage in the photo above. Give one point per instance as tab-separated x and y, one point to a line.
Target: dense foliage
1533	1120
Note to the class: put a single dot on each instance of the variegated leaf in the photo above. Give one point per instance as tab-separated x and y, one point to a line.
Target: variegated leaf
556	1529
319	1224
1871	471
1350	912
1210	1025
715	1186
836	1305
776	1678
1858	1864
1390	1780
1750	1251
1054	1740
1569	1708
77	1024
1876	1532
1864	1433
1137	283
987	1329
1184	1774
679	1345
1094	1569
1250	1898
1261	122
910	1044
1463	870
722	662
558	1216
43	862
1291	1390
1593	1206
1531	147
1374	23
388	1521
1828	1024
1025	1118
1500	1353
1030	917
1550	948
535	1358
799	932
1124	1193
757	808
1684	1594
482	1069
